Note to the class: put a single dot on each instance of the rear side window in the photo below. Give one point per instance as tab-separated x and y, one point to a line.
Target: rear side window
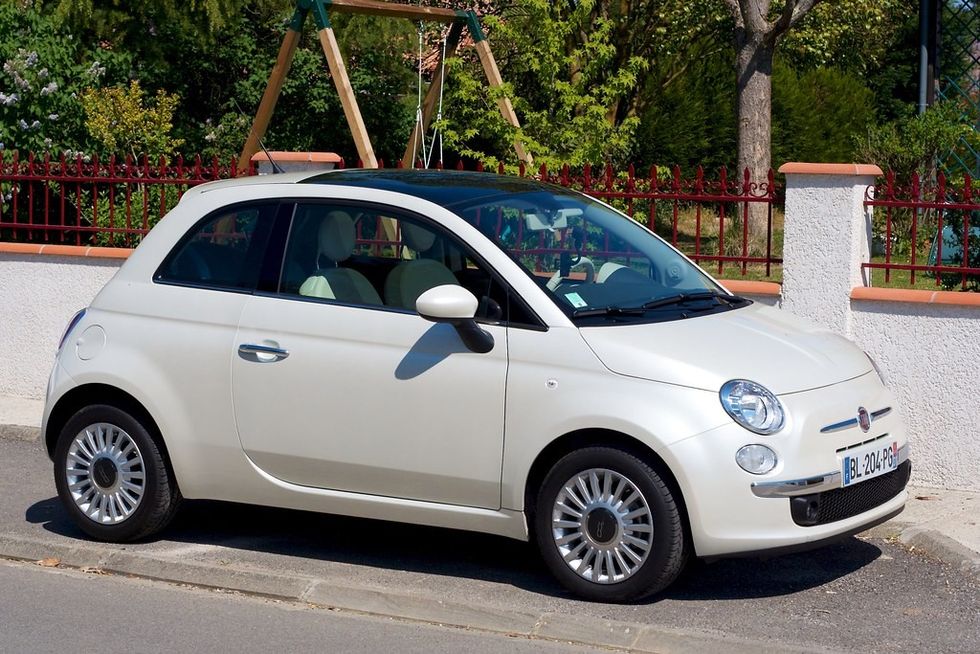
222	251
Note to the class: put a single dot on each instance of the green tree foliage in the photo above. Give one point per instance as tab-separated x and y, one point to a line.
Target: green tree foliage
650	81
217	57
913	144
576	72
123	120
818	114
847	34
675	127
44	70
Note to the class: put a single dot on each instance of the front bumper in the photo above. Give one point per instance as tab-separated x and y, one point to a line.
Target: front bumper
800	503
810	485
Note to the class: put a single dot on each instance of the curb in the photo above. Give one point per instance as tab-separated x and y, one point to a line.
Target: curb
943	547
932	542
340	594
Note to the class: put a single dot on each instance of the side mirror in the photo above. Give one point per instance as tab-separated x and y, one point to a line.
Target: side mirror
455	305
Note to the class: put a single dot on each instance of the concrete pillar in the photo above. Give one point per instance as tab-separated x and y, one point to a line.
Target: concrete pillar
827	236
292	162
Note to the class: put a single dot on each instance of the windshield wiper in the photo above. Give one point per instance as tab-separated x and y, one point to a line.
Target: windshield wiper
609	311
681	298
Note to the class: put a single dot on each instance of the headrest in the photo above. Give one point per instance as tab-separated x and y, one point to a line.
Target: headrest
336	237
417	238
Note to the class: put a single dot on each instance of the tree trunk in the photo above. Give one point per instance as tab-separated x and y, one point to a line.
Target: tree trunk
754	92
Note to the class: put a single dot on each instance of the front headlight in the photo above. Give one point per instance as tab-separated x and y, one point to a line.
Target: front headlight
752	406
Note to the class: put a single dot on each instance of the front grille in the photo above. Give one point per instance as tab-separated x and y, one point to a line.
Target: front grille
842	503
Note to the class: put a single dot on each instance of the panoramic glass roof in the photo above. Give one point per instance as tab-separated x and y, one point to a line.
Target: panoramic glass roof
443	187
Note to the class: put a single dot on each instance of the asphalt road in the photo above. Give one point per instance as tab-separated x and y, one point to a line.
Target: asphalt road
48	610
863	594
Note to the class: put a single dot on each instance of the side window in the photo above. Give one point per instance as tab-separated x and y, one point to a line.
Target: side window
223	251
362	256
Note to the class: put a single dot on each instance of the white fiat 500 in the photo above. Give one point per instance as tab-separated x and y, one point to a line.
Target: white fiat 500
469	351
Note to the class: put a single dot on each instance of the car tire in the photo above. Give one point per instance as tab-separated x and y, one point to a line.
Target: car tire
111	475
628	540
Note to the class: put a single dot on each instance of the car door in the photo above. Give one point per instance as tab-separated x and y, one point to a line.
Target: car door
337	385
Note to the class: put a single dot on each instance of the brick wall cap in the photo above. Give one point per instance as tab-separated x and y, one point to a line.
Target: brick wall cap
913	296
282	156
748	287
799	168
65	250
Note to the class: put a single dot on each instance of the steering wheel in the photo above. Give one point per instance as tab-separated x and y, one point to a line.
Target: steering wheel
556	279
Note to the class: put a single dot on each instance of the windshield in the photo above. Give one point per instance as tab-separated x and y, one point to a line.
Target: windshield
597	264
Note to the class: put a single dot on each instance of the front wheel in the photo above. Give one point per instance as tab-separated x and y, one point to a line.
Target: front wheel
608	526
111	475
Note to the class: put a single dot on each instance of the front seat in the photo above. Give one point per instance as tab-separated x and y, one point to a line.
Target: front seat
409	279
335	242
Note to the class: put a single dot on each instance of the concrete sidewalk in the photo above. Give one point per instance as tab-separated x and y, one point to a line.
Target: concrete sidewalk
943	523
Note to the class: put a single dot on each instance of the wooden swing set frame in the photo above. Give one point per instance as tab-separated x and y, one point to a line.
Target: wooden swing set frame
457	20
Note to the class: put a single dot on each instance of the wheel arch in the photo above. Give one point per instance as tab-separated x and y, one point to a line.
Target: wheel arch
582	438
89	394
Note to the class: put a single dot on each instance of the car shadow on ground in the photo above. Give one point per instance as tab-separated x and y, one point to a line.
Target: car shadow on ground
449	552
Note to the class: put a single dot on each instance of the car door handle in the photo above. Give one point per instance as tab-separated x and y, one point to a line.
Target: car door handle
261	353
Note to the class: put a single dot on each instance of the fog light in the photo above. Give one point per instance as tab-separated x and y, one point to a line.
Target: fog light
757	459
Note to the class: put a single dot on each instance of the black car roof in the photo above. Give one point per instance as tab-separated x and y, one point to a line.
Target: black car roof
446	188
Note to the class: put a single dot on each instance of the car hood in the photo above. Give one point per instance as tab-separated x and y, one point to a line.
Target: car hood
771	347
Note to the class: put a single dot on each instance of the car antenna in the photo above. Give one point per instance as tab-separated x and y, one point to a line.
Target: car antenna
276	168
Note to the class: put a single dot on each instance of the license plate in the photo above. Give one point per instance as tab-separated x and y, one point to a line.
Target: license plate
868	462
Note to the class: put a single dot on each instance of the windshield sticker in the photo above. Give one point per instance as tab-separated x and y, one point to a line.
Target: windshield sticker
576	300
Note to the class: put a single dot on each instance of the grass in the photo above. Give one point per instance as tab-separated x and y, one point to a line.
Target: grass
687	219
687	232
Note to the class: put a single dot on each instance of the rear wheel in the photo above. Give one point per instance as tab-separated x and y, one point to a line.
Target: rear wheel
111	475
608	526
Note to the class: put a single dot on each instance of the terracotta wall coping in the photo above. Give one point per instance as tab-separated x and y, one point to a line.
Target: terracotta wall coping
65	250
746	287
955	298
281	156
795	167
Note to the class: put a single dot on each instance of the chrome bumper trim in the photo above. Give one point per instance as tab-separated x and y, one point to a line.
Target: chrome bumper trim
816	484
852	422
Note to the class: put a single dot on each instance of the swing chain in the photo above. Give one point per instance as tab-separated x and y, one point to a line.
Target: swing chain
428	149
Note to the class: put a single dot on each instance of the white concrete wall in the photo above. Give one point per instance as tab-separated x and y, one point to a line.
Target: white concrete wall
824	245
928	352
930	357
38	296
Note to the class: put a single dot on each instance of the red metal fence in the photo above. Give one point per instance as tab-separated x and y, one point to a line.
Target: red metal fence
84	201
931	231
726	223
